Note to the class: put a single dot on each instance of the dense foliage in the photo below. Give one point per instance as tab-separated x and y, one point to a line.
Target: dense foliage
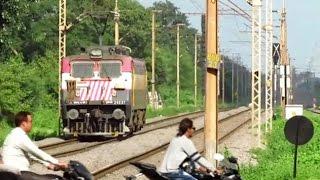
276	161
29	52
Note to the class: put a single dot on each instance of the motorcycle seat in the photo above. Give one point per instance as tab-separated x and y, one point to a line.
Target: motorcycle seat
144	166
149	170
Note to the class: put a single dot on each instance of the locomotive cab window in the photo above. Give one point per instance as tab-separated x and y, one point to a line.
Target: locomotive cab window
110	69
82	69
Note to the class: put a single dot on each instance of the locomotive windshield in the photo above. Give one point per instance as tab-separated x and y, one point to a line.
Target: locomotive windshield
110	69
82	70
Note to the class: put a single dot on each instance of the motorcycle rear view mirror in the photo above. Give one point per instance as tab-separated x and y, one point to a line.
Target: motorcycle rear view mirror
218	157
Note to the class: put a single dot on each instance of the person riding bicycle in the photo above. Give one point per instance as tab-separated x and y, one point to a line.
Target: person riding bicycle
181	148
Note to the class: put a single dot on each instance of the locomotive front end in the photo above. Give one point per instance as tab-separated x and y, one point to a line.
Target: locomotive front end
96	94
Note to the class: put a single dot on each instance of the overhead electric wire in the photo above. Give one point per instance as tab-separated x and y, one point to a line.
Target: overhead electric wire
231	2
196	4
235	10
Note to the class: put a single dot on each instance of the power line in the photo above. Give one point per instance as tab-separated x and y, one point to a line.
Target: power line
196	4
231	2
237	11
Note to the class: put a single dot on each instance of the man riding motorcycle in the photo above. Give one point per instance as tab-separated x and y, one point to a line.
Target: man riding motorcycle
180	149
18	147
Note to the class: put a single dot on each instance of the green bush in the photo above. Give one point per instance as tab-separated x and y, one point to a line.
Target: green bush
276	161
45	123
5	129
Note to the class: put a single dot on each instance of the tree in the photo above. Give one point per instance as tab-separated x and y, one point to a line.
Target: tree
12	23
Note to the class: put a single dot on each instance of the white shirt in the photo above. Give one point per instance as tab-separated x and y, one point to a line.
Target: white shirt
179	149
18	148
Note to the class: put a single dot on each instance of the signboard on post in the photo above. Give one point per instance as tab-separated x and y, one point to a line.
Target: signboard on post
293	110
213	61
276	53
298	131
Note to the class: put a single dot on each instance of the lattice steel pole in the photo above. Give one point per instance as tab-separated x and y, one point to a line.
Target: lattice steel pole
256	70
269	64
62	43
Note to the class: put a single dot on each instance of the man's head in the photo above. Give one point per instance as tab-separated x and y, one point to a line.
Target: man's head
186	128
23	120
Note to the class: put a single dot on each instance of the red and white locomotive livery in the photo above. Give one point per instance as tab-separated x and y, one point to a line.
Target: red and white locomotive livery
103	92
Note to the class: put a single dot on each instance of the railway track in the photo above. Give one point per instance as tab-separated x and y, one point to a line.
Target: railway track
313	110
48	147
222	136
72	146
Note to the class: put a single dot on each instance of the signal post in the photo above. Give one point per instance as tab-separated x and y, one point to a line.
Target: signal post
211	113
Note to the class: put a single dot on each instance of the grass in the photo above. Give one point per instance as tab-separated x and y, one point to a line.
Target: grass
276	161
170	111
44	125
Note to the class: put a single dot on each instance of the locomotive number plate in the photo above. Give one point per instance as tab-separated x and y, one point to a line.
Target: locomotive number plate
79	102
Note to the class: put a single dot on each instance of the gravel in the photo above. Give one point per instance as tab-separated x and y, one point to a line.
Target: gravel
48	141
108	154
239	144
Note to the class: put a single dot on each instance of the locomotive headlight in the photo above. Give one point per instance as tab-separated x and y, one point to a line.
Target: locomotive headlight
66	130
118	114
119	86
73	114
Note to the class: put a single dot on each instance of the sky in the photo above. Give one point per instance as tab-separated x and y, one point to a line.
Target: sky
303	29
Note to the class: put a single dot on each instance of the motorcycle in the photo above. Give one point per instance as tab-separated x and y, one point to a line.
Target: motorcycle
75	171
228	169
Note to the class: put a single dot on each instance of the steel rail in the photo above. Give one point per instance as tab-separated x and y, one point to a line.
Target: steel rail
170	121
74	140
111	168
152	126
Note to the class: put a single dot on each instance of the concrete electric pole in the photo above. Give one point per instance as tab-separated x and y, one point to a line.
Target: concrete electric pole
232	82
213	59
285	64
116	23
195	68
178	63
237	80
223	79
153	59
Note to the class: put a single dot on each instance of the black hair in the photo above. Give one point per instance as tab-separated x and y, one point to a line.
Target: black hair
20	117
184	125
